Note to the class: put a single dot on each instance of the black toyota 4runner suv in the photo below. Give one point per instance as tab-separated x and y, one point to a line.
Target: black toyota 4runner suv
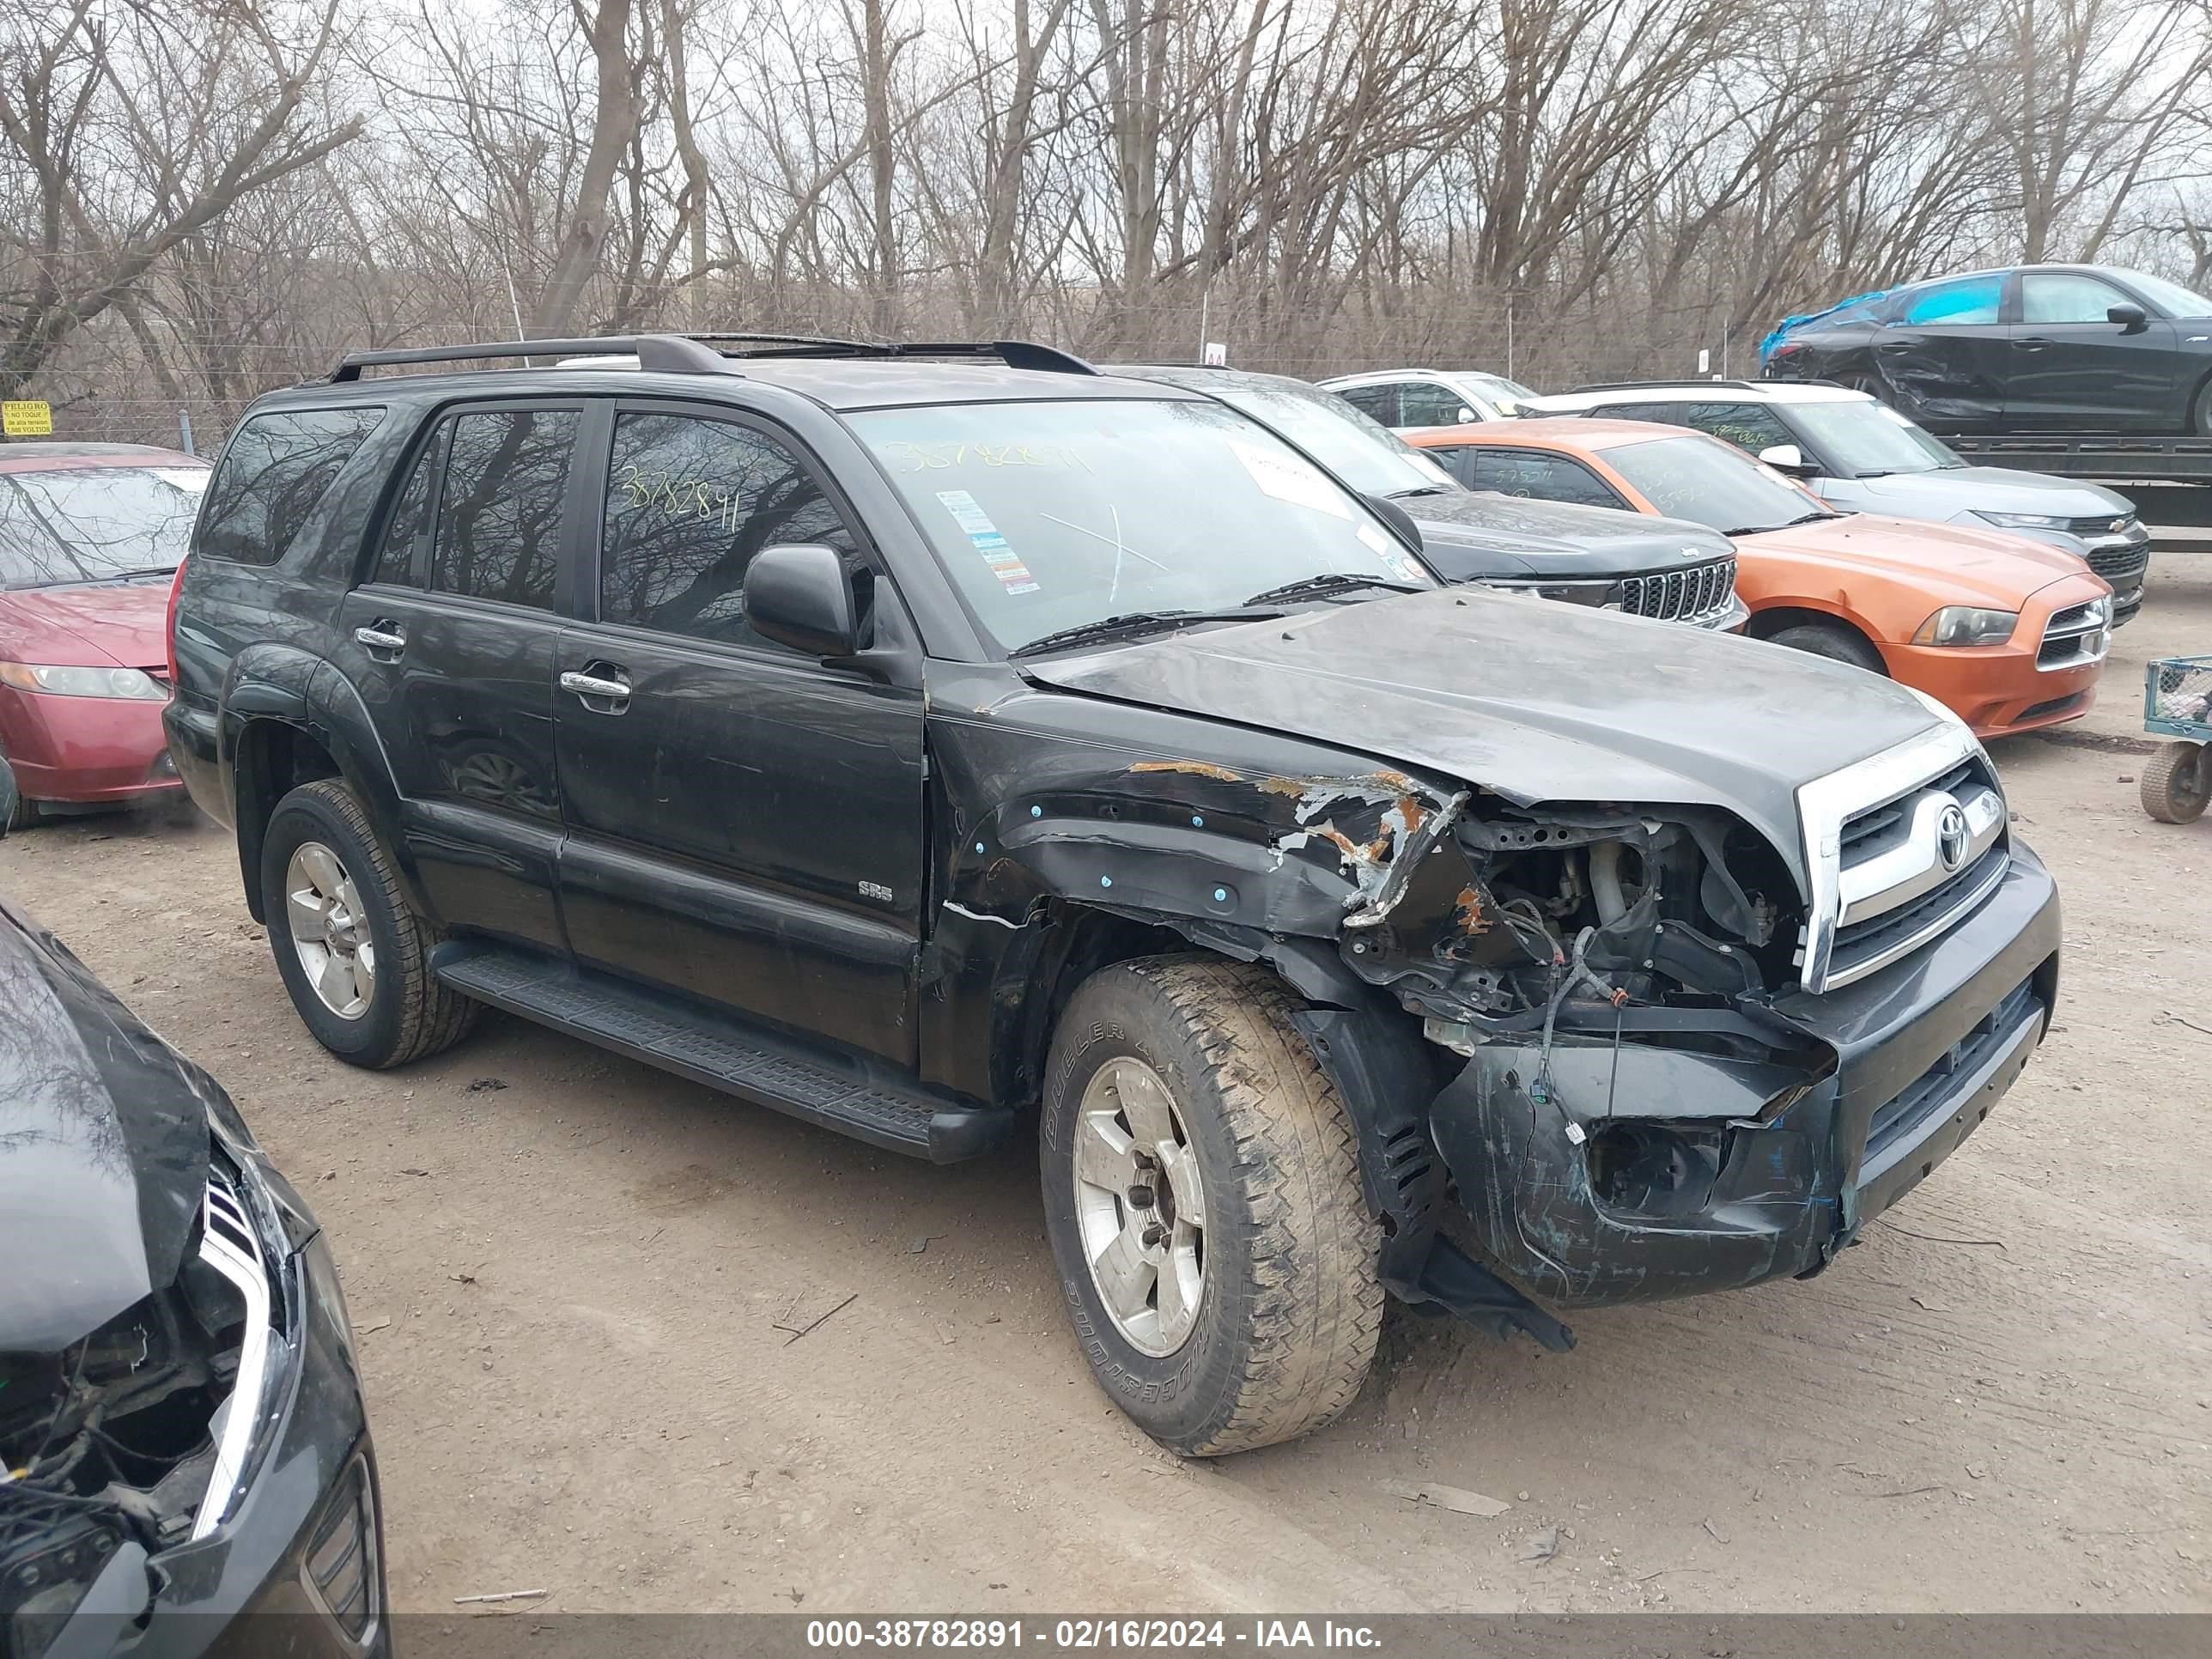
911	739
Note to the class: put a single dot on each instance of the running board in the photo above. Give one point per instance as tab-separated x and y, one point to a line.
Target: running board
723	1052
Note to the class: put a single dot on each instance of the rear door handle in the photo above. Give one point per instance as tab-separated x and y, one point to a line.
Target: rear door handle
604	684
2033	343
385	638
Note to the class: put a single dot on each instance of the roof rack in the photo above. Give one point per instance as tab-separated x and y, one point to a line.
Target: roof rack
694	354
1682	380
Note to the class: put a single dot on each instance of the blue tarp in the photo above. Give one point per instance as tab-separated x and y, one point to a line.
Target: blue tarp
1789	324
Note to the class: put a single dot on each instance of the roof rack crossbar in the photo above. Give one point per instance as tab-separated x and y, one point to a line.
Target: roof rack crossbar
694	354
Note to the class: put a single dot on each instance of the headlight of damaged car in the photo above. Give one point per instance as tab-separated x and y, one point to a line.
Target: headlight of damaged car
1966	624
2024	520
245	1245
125	683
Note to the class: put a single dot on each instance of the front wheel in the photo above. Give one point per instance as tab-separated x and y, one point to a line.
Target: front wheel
352	953
1835	643
1203	1201
2177	782
2201	418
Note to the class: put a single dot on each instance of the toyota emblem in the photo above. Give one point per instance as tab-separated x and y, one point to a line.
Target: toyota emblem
1951	839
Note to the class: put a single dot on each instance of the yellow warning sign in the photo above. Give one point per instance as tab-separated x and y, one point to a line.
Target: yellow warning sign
27	419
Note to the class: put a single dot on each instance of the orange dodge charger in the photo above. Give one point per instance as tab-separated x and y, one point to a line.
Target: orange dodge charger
2008	633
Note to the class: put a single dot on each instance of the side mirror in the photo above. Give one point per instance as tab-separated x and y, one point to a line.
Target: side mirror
1465	416
2132	319
1787	458
7	795
799	596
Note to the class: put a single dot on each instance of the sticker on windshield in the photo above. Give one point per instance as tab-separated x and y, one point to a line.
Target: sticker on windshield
1005	564
1386	549
190	479
1288	479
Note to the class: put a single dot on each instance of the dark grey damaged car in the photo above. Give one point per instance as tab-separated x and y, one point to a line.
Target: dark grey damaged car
181	1435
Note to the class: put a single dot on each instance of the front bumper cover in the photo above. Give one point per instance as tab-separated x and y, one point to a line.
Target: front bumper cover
1633	1172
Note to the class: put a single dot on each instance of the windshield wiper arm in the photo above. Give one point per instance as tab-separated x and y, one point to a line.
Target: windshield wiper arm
1422	490
1761	529
1133	622
1333	581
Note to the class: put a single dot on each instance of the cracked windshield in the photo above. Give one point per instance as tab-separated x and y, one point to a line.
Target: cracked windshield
1053	515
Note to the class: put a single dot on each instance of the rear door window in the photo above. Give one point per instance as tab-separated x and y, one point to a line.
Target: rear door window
1545	478
689	501
1377	403
1750	427
1970	301
275	470
506	487
409	523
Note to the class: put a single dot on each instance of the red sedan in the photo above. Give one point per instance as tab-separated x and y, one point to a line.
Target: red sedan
90	535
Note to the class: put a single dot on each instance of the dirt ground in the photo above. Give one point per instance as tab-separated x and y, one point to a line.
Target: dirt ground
575	1279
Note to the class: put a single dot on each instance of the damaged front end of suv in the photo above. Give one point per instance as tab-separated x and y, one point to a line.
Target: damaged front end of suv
1685	1038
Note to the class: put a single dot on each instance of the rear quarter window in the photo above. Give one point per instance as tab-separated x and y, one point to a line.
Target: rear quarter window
274	471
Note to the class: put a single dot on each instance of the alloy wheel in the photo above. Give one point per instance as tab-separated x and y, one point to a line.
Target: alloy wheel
329	933
1141	1207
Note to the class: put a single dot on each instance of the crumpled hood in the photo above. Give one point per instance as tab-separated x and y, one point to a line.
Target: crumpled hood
1996	567
1470	533
1532	700
104	1143
106	625
1955	490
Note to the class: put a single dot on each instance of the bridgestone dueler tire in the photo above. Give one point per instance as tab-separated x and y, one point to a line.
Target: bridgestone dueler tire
1287	1323
412	1015
2176	783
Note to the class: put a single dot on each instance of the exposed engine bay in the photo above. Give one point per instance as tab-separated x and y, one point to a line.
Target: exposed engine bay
1516	920
118	1437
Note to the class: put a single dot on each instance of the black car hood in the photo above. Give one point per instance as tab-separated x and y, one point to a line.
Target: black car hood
1532	700
104	1142
1468	534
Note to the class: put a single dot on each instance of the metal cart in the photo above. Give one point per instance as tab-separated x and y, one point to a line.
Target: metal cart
2177	781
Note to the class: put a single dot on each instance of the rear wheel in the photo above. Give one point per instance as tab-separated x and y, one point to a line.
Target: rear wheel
2177	782
1203	1201
1834	641
2200	420
353	955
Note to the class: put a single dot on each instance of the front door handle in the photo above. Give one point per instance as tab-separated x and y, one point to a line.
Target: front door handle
385	638
604	684
2033	343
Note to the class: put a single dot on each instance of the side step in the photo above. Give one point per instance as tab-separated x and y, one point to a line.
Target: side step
723	1052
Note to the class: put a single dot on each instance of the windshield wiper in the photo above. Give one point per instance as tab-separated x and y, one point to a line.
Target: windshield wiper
1333	581
1761	529
1422	490
1130	623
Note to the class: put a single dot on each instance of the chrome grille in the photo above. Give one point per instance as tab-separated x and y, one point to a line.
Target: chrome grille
2075	636
1680	595
1901	847
2103	524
